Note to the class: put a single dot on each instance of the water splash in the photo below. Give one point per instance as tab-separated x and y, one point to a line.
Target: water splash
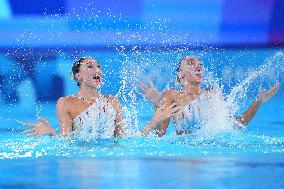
268	73
140	57
215	115
218	111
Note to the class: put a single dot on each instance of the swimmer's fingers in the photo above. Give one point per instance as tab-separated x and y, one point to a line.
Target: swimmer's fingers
174	110
170	107
153	88
151	84
143	87
32	134
166	112
31	124
146	96
274	89
43	120
28	131
167	108
265	95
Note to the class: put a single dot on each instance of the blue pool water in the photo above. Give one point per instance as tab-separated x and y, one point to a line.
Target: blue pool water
252	158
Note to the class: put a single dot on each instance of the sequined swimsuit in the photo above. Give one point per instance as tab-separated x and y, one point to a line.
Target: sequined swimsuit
187	118
97	121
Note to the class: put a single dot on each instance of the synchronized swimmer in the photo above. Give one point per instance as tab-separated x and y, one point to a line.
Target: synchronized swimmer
190	74
91	113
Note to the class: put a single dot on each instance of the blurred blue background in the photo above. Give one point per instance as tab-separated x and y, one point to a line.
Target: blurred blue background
45	23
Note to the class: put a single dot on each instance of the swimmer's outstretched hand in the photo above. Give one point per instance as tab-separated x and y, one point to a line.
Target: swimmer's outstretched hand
151	93
163	112
43	127
265	95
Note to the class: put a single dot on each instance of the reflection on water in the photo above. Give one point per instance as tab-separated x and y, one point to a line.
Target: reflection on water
201	172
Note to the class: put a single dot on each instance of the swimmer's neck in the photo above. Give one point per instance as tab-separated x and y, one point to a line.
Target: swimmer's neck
192	89
88	93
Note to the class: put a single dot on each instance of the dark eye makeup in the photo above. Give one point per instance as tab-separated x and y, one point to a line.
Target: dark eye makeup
90	65
189	62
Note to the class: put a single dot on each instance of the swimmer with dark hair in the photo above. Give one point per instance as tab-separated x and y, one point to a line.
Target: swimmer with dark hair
89	113
189	74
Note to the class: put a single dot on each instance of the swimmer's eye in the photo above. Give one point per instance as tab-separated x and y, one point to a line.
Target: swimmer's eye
189	62
201	64
99	66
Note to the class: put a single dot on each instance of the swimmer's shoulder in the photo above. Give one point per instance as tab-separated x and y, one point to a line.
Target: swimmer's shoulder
63	104
67	101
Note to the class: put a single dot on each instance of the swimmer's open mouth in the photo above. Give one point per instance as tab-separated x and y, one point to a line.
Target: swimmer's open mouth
97	78
198	72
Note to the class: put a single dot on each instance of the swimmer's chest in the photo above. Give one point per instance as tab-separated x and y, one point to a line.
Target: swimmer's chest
77	108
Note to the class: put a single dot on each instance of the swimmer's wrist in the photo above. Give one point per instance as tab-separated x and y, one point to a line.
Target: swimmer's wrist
154	121
156	106
258	101
146	130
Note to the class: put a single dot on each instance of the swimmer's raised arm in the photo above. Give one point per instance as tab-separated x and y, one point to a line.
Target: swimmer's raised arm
263	97
151	93
158	99
163	125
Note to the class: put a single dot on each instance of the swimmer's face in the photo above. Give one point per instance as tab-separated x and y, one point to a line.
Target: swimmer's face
191	71
90	73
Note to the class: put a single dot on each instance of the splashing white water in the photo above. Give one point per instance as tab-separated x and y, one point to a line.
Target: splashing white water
215	115
273	65
218	111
